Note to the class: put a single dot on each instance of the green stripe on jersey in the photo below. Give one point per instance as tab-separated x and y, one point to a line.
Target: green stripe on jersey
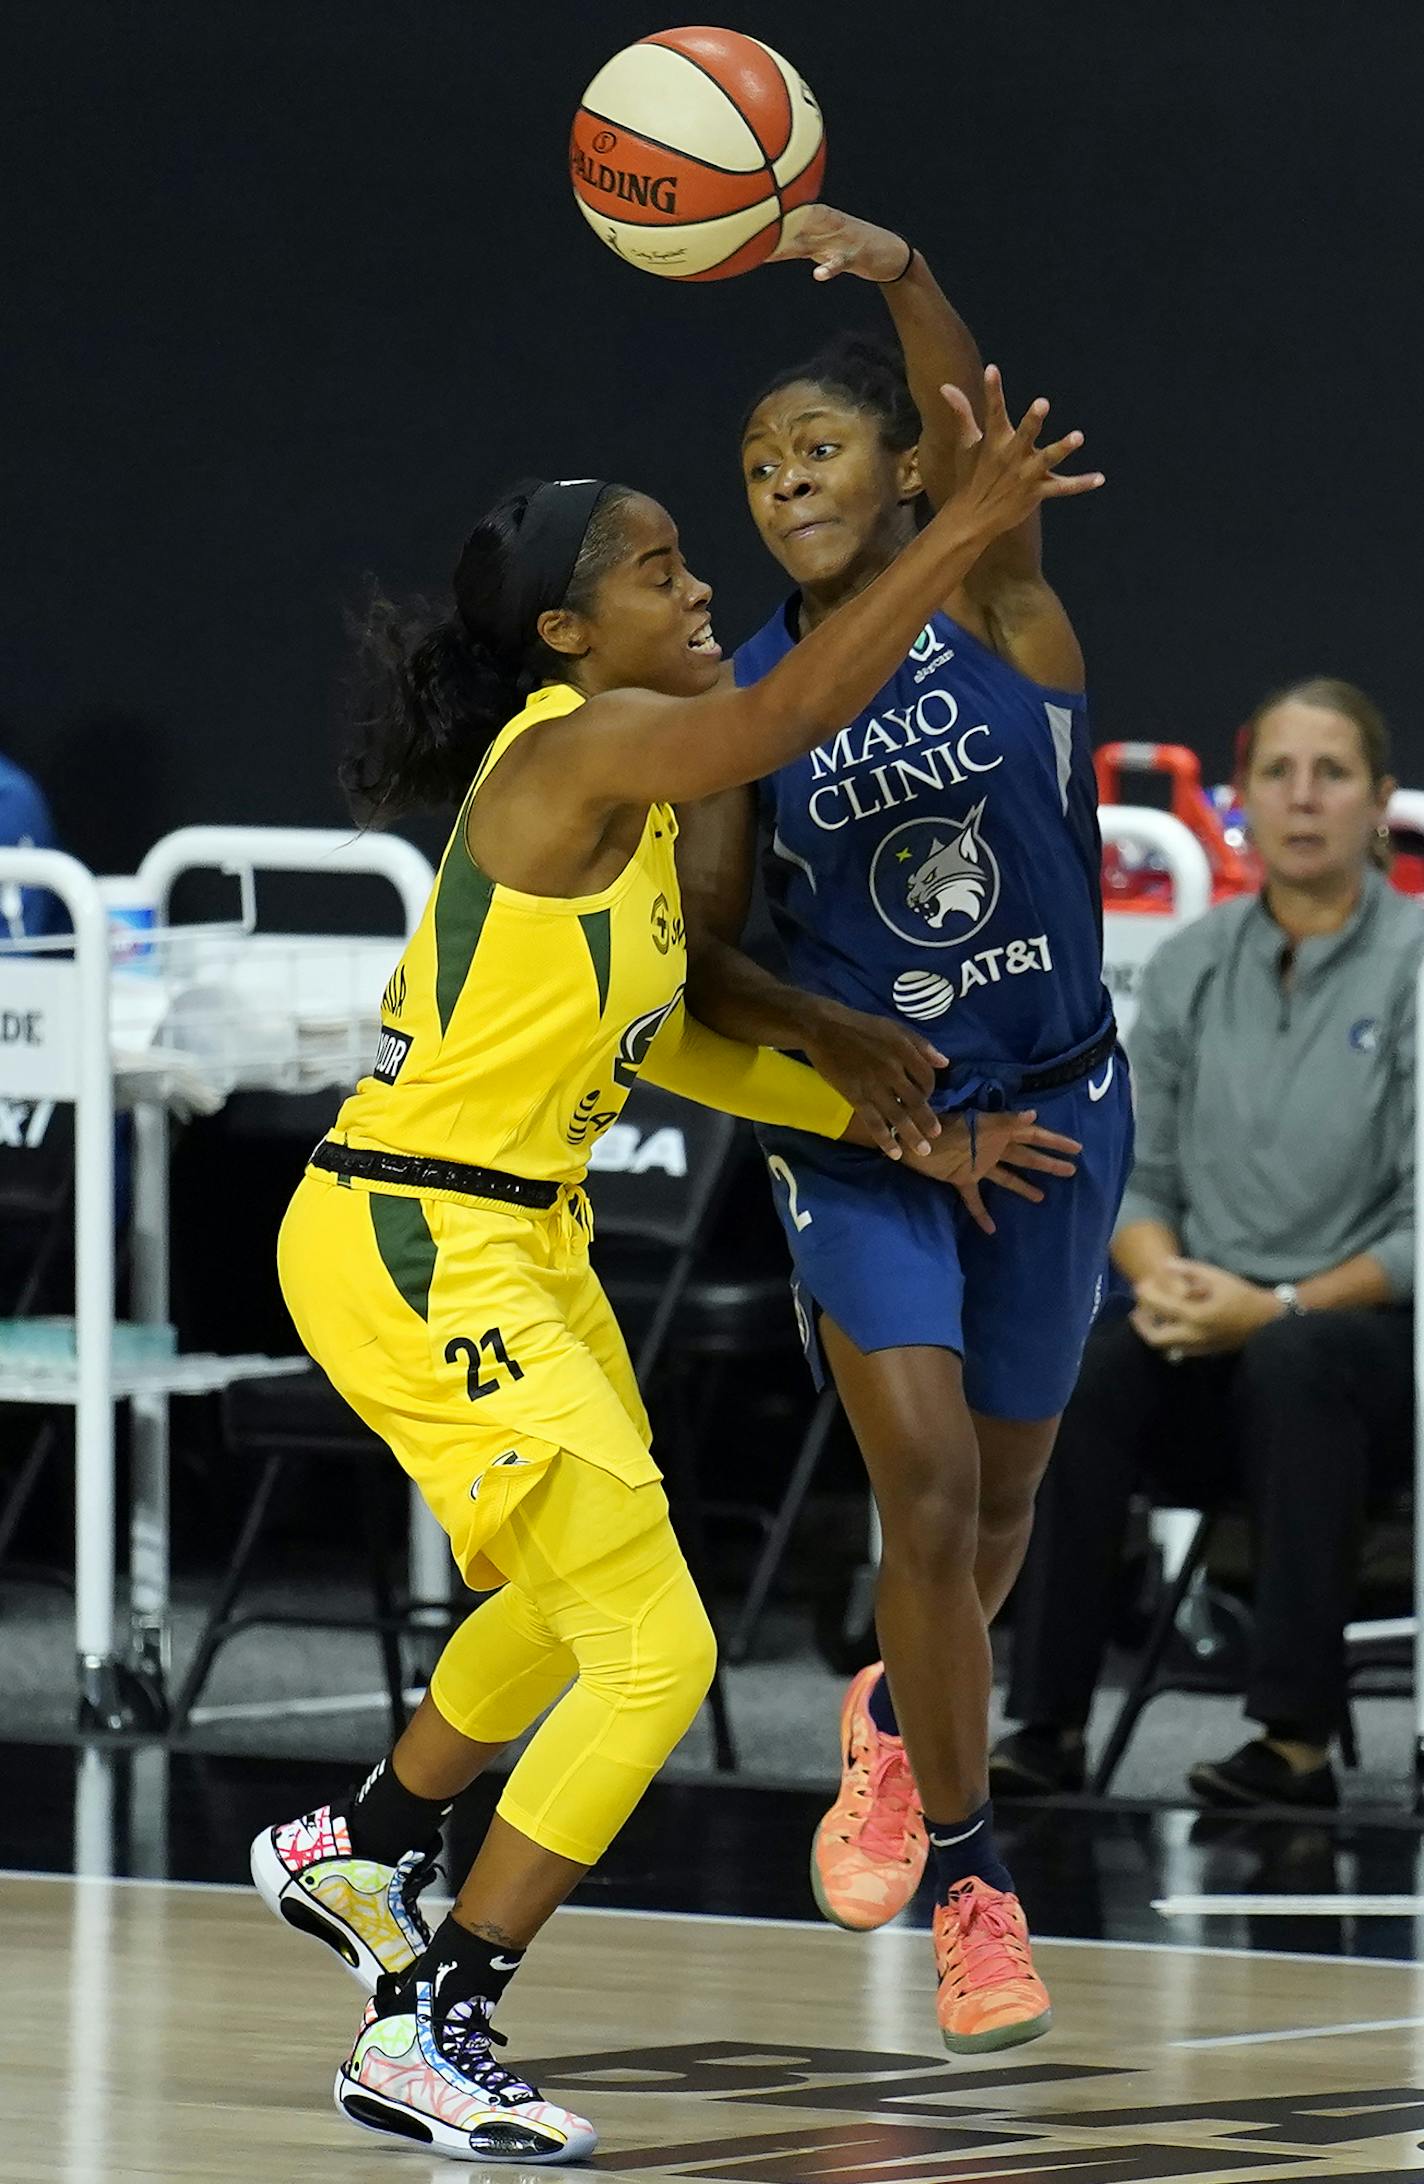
597	931
462	899
406	1246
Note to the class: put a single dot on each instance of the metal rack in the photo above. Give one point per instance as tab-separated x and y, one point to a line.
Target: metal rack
176	1017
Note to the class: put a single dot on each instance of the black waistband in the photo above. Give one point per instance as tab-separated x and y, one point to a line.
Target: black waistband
418	1174
1069	1072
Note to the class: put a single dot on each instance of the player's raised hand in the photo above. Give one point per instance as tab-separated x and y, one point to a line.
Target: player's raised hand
836	242
1006	474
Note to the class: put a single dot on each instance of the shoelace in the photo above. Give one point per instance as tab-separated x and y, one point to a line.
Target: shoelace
890	1786
467	2039
993	1949
412	1882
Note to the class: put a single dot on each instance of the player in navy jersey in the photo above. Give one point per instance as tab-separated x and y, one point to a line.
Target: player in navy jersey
933	873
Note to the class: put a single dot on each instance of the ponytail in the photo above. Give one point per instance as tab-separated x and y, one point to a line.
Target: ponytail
428	701
431	692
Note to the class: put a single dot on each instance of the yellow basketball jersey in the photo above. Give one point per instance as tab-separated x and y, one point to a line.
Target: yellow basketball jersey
514	1025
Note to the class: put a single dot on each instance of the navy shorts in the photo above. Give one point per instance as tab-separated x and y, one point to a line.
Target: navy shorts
895	1258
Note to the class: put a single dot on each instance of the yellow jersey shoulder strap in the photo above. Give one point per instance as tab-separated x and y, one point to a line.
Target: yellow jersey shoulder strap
545	704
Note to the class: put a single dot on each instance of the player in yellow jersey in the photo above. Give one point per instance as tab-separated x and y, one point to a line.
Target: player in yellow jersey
435	1256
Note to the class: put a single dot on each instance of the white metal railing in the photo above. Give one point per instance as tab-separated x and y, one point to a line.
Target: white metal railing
277	1011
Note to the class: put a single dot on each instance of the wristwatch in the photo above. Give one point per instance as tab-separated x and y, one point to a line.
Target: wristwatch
1287	1294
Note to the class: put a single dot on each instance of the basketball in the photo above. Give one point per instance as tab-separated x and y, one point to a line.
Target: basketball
689	150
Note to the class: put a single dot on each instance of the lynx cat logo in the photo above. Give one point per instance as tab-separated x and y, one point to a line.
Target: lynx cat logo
936	884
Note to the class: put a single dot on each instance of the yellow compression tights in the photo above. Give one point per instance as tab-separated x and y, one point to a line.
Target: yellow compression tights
599	1599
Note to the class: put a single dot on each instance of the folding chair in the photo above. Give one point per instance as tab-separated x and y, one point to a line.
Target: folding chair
284	1422
1367	1652
36	1232
252	1151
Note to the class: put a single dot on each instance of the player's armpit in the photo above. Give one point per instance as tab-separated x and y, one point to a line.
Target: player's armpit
1029	627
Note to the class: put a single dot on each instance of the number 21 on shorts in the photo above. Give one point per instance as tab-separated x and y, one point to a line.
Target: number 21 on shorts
473	1354
799	1219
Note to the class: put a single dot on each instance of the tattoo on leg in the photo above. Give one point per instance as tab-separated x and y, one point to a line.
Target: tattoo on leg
494	1935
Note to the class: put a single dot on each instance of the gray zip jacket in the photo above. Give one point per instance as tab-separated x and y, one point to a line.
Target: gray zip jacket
1275	1124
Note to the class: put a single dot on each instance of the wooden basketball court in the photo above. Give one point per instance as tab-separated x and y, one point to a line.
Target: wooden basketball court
162	2030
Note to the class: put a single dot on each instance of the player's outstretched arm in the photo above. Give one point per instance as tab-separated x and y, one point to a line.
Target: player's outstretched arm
937	344
636	746
1026	619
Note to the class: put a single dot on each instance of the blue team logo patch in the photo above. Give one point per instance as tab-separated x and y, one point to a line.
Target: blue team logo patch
1364	1034
935	882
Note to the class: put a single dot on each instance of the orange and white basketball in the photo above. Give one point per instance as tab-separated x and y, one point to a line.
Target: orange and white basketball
690	148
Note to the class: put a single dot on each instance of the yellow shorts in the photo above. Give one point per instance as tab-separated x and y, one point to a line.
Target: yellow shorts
476	1341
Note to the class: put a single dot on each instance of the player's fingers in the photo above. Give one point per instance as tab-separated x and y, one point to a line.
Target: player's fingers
1061	488
1058	451
1026	1156
1008	1181
964	416
978	1211
915	1063
921	1119
1031	423
996	417
1052	1140
880	1130
829	263
891	1108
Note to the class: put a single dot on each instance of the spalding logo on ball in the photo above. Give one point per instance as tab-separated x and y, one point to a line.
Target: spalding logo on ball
689	150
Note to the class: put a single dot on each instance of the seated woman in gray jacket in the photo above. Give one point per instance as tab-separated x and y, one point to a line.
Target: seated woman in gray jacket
1268	1237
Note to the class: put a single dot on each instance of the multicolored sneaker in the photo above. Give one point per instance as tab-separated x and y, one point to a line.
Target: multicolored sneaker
870	1849
451	2094
367	1913
990	1996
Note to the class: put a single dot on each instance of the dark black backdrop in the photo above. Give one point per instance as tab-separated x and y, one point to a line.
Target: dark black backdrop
294	287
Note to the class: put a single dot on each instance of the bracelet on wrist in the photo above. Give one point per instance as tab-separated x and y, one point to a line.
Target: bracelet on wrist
895	278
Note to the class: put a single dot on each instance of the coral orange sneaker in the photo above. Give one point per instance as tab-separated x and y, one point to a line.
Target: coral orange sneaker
990	1996
870	1849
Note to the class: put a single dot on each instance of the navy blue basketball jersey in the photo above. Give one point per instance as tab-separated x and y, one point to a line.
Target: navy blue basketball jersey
939	860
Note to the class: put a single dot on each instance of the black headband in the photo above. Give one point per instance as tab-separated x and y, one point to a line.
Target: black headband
541	563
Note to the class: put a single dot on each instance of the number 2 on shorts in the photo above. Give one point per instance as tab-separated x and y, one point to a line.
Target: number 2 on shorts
779	1169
